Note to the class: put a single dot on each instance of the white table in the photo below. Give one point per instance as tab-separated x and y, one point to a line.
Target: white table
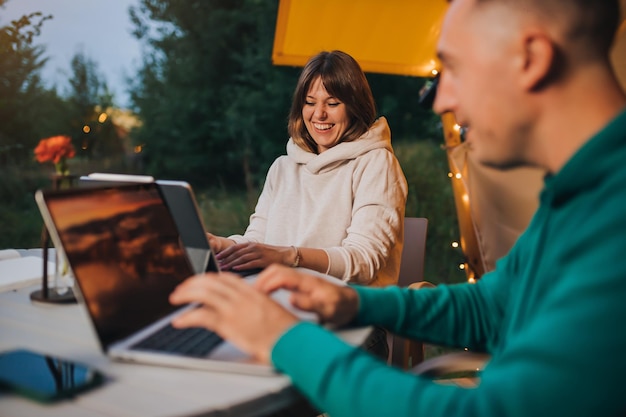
130	390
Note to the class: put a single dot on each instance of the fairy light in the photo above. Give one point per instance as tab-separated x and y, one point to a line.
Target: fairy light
461	266
86	129
455	244
434	71
450	175
458	176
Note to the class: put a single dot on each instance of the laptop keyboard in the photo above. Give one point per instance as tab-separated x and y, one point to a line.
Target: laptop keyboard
192	341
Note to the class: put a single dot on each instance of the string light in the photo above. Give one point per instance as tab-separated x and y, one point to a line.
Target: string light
86	129
461	266
455	244
458	176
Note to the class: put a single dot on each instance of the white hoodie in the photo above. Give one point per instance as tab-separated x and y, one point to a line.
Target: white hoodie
349	200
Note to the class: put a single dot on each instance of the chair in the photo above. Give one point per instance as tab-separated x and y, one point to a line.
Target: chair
402	352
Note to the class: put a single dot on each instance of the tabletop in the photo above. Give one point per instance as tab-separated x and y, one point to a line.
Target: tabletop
130	389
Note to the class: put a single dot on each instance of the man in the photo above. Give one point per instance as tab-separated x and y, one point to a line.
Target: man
532	83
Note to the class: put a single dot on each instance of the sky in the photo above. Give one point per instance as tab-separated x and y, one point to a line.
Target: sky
100	29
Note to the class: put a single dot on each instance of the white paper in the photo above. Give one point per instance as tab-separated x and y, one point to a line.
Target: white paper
23	272
8	254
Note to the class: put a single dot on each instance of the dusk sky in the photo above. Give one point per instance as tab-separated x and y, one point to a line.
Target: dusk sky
99	29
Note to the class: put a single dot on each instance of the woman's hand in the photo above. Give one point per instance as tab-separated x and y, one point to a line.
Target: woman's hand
219	243
252	255
235	310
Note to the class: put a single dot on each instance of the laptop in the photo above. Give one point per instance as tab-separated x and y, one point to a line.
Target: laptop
180	199
126	255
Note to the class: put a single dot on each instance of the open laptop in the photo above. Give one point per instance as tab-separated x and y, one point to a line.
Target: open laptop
125	252
181	201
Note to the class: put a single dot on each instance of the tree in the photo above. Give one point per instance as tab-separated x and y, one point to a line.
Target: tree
212	104
20	86
88	97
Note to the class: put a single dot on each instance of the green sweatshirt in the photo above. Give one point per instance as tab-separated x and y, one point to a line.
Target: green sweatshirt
551	316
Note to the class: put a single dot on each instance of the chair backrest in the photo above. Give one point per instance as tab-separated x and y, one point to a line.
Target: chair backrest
404	353
414	251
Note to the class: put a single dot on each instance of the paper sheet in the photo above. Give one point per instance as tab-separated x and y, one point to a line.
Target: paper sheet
17	273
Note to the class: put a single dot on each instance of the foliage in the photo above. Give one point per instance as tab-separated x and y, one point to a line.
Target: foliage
213	106
88	96
20	86
397	99
430	195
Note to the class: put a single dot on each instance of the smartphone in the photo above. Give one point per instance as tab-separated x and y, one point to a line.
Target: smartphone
45	378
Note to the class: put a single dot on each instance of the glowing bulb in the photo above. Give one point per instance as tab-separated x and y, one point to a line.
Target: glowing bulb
102	118
457	127
455	244
434	72
461	266
86	129
471	281
450	175
458	176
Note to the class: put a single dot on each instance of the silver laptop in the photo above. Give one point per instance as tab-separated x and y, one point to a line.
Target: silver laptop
125	252
180	199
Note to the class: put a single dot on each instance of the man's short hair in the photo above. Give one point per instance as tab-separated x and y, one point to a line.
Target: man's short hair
591	23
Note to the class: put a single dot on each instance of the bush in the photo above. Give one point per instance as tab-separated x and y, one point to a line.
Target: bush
425	166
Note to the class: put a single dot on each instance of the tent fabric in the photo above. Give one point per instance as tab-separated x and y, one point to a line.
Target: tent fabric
392	37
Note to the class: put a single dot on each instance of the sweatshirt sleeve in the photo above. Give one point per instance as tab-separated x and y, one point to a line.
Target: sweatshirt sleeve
379	198
566	359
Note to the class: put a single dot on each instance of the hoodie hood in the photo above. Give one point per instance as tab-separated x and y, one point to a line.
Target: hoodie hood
377	137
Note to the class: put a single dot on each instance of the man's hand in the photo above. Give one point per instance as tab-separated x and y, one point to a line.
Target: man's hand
235	310
334	304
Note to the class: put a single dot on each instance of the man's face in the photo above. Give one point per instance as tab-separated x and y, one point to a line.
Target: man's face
479	51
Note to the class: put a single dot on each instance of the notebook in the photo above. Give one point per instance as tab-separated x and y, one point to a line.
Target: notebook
125	252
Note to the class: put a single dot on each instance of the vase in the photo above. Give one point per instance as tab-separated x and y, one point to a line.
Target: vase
63	278
59	289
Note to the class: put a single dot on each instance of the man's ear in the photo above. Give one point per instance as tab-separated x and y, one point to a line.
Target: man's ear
539	61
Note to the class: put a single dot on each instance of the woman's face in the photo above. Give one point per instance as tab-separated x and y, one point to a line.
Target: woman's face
325	117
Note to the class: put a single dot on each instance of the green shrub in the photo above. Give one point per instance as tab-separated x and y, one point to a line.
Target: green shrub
425	166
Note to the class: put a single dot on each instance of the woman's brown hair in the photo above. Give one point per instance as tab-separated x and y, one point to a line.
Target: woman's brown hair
343	79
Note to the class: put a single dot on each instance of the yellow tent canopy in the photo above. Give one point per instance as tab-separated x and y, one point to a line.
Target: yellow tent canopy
393	37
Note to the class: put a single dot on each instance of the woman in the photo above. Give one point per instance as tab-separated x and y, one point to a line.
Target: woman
335	203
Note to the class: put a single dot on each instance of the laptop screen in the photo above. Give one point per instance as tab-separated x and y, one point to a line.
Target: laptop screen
125	252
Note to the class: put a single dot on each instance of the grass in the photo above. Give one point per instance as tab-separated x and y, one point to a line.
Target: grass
424	164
